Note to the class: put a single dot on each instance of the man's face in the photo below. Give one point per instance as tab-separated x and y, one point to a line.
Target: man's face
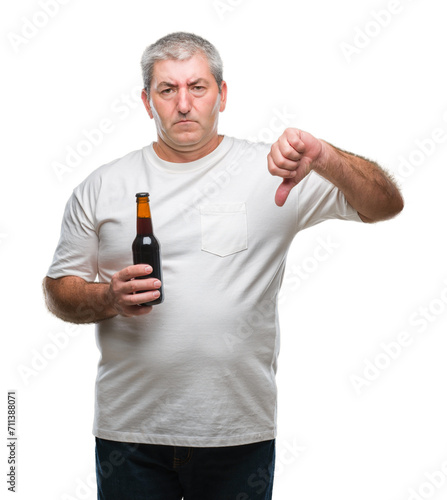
185	102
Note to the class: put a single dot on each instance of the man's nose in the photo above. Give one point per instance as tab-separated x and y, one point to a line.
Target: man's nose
184	101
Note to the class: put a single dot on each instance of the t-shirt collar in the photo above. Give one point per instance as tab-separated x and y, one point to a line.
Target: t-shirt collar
212	158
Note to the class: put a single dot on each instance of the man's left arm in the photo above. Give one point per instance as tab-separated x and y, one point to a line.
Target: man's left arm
366	186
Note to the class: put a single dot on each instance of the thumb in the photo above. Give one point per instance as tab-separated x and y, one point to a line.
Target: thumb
283	191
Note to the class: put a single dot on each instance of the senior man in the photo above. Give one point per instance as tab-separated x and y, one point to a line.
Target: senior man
185	391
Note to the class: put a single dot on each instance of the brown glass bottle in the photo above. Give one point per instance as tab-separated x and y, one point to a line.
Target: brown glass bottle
145	247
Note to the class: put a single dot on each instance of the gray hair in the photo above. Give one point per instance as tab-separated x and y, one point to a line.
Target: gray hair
180	46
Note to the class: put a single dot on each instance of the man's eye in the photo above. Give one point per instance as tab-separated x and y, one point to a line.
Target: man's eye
166	91
198	88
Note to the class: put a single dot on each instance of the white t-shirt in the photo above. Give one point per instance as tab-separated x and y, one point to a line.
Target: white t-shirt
199	370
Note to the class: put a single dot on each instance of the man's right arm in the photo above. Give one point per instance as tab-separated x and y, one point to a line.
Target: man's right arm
75	300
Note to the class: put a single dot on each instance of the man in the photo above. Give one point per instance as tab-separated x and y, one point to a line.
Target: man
185	393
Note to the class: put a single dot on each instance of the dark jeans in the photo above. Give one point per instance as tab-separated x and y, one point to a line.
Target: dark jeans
129	471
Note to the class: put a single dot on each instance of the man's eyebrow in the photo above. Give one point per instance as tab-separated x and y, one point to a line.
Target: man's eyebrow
166	84
173	85
199	80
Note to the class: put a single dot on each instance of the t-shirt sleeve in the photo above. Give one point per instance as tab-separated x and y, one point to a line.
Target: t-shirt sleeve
76	252
319	200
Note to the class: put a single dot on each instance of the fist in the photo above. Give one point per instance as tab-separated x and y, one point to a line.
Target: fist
290	158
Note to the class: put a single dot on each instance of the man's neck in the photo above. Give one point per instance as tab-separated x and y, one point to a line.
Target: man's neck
171	154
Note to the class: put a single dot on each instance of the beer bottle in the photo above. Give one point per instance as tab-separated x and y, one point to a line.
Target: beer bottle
145	247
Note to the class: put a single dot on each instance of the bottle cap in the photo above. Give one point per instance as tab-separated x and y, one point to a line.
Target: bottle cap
142	195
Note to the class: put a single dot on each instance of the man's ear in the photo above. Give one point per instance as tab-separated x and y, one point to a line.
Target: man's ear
146	101
223	96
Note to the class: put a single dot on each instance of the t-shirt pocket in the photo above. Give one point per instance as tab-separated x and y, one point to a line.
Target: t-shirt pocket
224	228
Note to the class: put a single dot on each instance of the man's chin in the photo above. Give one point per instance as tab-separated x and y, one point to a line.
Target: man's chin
186	139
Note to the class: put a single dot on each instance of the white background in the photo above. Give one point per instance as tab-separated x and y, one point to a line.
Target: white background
367	76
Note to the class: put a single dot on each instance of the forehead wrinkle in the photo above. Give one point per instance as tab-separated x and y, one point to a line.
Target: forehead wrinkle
165	73
189	82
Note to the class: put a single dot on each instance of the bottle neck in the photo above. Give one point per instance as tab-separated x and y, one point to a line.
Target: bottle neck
144	221
144	226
